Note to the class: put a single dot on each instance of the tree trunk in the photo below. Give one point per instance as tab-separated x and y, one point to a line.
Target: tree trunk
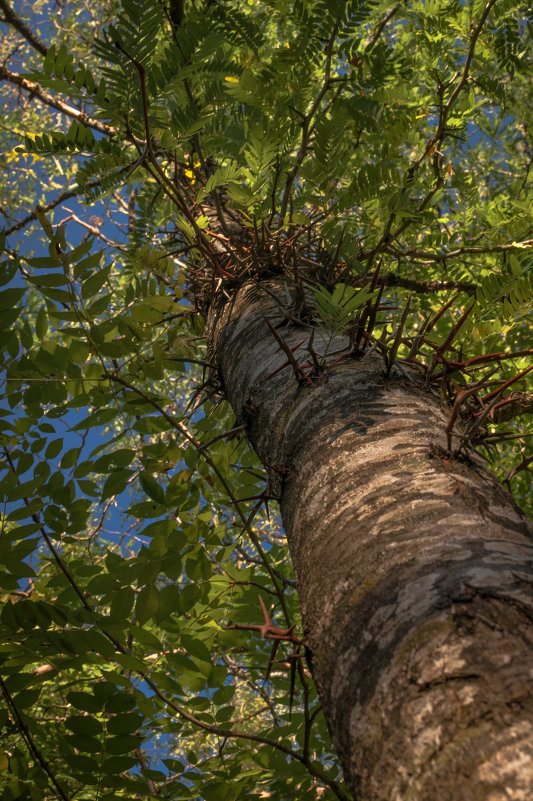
414	568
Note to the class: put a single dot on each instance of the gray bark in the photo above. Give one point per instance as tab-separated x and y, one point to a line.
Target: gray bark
414	569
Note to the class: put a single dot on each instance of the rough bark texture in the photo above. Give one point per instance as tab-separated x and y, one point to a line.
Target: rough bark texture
414	569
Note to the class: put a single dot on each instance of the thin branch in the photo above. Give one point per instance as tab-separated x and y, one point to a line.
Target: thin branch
255	738
37	91
67	195
30	742
460	251
379	30
469	56
252	559
245	520
437	138
22	28
306	129
529	150
421	287
299	373
495	437
523	465
229	434
57	558
440	133
95	231
162	179
221	732
518	403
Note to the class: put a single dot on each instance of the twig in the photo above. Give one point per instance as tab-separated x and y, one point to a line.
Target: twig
95	231
30	742
22	28
37	91
299	373
379	30
67	195
461	251
246	520
306	131
421	287
393	349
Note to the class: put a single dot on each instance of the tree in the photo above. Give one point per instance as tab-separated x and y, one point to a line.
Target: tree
318	242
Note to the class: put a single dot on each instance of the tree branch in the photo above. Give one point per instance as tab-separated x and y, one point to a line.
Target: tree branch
439	135
460	251
37	91
245	520
30	742
379	30
476	30
176	12
95	231
391	279
213	729
306	131
67	195
24	30
518	403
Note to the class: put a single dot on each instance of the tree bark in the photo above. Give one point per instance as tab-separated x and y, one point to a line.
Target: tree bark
414	568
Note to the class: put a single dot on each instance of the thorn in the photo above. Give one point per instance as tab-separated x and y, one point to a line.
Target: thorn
299	374
393	350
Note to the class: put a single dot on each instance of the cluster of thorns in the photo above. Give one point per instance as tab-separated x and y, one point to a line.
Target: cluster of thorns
266	254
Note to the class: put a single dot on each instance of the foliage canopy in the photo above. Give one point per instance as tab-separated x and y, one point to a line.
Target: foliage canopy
377	153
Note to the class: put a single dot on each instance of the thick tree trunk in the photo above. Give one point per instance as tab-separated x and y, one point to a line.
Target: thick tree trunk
414	569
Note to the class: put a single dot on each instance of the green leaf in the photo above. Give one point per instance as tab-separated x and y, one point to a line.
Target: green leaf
224	694
120	702
10	297
54	448
41	323
152	488
147	604
122	604
196	647
83	742
95	282
83	763
125	723
84	724
26	698
116	482
60	61
70	458
84	701
123	744
49	60
118	764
